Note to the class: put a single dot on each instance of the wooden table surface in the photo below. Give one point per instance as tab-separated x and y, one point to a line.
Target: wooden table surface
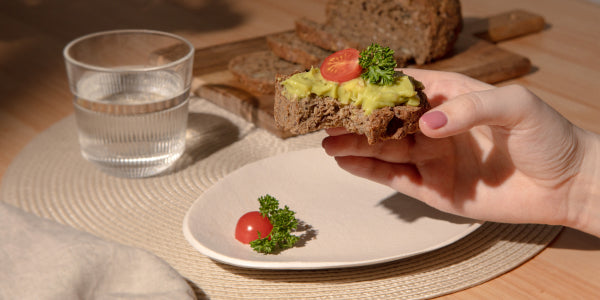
35	95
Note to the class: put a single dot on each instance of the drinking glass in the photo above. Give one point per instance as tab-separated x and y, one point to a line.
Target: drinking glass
131	91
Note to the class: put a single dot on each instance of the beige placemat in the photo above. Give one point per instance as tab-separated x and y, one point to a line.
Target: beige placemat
51	179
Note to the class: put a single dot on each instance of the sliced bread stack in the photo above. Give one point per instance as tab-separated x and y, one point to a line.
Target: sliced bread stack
419	31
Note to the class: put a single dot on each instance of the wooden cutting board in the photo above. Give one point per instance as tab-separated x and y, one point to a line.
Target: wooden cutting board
475	54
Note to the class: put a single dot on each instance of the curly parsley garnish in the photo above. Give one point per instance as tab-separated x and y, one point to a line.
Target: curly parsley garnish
378	63
283	221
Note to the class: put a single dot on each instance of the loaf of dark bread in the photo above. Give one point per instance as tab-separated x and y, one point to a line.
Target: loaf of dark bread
313	113
256	71
419	30
290	47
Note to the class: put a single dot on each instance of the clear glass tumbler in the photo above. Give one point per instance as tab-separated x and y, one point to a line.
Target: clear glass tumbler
131	91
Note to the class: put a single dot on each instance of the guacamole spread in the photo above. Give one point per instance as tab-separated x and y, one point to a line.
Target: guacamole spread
356	91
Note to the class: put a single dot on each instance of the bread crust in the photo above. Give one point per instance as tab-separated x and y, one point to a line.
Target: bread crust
313	113
290	47
257	71
321	36
417	30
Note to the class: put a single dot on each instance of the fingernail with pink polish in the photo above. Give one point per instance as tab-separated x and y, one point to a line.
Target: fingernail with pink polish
435	119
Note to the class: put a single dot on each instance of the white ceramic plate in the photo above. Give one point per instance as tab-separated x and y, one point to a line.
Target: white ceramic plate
353	221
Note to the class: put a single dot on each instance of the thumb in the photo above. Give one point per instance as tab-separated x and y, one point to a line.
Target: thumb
505	106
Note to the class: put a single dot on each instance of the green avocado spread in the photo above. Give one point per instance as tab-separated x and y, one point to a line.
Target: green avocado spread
356	91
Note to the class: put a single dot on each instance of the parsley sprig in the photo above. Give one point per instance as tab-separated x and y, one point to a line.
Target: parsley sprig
283	221
378	63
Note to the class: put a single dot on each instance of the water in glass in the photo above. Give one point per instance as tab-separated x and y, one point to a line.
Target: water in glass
132	124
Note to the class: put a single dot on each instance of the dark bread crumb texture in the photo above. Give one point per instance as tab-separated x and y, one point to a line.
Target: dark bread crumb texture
422	30
313	113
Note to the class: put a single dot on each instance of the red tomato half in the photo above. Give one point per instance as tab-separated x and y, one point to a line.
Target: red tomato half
341	66
249	225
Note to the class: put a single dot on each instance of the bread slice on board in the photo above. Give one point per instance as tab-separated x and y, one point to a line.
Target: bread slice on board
313	113
331	39
292	48
256	71
323	36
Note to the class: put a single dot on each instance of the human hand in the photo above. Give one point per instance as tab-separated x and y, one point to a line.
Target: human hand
498	154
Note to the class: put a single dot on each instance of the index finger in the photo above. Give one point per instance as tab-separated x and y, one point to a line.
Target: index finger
441	86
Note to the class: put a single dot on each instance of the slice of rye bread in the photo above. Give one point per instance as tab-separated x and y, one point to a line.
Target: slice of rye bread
256	71
313	113
419	30
331	39
290	47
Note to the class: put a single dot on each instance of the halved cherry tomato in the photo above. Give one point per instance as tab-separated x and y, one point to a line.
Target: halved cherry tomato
341	66
250	224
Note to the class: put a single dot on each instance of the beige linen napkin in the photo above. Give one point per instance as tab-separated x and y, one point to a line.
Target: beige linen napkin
42	259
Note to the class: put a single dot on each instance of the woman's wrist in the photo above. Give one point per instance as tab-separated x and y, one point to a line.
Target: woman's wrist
584	198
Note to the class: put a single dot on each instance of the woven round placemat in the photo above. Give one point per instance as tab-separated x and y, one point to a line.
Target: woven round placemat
51	179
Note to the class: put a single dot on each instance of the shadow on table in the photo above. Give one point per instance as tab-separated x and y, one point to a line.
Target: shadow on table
200	294
574	239
205	135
